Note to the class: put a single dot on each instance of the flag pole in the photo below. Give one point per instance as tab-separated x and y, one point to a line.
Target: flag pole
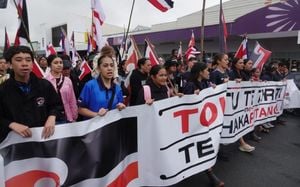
129	22
221	32
202	30
26	29
180	46
6	42
151	47
124	35
92	32
136	47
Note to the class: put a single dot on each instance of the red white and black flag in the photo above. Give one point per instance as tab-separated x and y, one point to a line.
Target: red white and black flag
90	46
259	56
242	51
6	42
103	155
22	36
223	34
192	51
132	54
162	5
85	70
50	50
192	40
150	52
37	70
64	42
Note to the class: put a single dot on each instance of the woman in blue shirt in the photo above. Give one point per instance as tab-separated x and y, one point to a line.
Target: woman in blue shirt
101	94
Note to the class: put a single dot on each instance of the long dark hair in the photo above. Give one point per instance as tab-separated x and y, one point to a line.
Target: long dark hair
50	58
196	69
234	62
141	62
218	57
154	71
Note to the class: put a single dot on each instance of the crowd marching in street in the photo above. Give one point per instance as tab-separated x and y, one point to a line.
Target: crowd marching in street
60	97
62	88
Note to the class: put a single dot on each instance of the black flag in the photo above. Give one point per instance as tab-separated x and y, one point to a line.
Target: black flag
6	42
22	36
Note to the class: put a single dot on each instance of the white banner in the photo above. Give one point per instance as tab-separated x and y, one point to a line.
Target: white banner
157	145
180	137
292	96
249	104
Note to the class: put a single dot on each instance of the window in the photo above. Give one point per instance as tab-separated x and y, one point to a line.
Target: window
56	34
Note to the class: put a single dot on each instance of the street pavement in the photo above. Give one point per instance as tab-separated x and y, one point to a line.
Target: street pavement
274	163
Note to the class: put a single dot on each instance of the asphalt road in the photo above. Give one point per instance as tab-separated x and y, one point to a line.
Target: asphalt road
274	163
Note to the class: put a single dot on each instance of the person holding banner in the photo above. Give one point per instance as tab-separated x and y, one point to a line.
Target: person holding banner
171	68
256	74
220	74
155	88
138	78
280	74
248	65
199	80
25	100
238	75
101	94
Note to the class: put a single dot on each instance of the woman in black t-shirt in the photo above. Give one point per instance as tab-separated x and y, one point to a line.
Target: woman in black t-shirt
157	84
237	74
220	74
199	81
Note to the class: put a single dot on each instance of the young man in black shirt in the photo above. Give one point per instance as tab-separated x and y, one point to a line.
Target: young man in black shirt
138	78
25	100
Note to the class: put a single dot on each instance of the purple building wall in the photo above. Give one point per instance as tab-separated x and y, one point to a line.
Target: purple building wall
275	18
278	17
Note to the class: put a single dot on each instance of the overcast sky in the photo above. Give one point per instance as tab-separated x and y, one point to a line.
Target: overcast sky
117	12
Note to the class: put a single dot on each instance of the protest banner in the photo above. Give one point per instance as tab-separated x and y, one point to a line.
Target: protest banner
96	152
250	104
156	145
292	95
181	138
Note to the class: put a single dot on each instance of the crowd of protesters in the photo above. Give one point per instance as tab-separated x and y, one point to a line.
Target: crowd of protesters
27	101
